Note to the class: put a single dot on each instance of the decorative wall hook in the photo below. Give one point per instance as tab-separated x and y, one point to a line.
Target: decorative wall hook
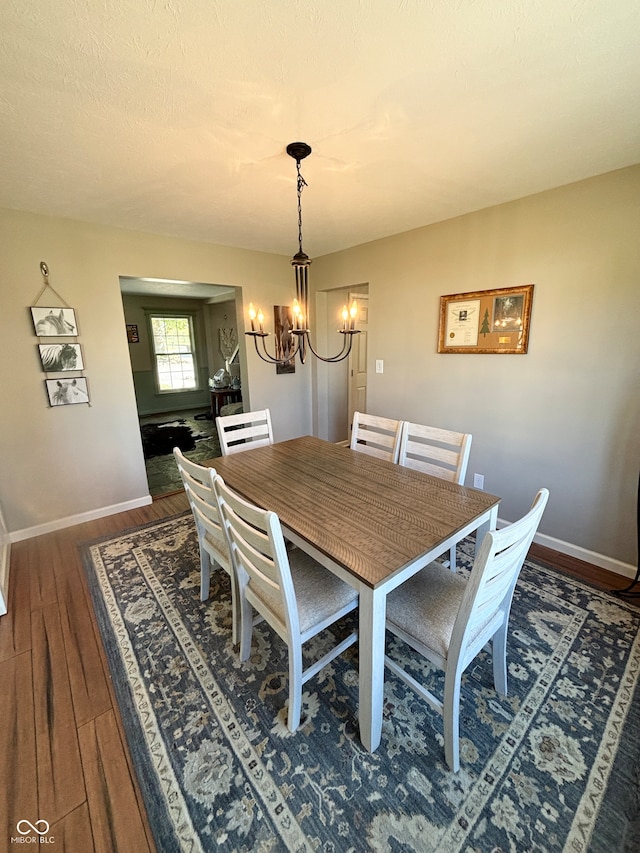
44	269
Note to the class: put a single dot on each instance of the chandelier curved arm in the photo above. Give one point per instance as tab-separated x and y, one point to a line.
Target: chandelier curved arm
270	359
344	352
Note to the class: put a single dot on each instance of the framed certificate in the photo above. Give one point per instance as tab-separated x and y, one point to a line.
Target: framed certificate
486	321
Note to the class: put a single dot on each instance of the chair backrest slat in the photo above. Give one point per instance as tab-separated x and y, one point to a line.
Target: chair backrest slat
203	491
258	549
207	515
376	436
440	452
244	431
196	471
253	546
494	575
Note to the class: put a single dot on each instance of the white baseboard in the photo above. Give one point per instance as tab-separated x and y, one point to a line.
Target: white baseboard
5	559
71	520
5	554
601	560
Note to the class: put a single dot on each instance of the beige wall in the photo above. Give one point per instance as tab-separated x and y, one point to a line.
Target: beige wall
567	414
564	416
63	462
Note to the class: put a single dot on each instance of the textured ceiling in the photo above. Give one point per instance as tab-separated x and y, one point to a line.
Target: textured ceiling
172	116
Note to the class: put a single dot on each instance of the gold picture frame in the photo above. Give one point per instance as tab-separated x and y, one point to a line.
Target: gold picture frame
486	321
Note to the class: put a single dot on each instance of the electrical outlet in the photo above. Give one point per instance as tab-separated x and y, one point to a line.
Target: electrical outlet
478	481
379	365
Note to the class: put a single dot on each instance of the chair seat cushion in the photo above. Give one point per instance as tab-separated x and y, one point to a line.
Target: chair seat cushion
426	606
319	593
217	550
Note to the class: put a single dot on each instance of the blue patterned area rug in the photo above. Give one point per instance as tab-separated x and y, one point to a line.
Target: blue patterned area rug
553	766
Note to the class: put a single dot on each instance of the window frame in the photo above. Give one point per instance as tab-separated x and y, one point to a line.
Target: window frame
171	314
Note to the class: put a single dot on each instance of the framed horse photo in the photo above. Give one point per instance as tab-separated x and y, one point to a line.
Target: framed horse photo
60	357
67	392
54	322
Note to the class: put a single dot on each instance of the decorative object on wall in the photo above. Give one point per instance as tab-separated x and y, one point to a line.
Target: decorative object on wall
54	322
486	321
301	263
63	357
228	345
284	340
132	333
67	392
60	357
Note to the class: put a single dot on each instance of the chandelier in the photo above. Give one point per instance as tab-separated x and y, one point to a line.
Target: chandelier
301	263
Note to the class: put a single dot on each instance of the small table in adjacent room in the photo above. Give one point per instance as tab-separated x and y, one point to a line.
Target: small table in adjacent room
221	396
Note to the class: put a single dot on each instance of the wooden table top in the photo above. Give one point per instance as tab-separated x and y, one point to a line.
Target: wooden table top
370	516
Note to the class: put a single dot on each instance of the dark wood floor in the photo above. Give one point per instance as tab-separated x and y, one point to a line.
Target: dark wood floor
63	755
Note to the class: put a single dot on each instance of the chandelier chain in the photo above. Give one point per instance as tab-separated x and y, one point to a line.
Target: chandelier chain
300	310
301	183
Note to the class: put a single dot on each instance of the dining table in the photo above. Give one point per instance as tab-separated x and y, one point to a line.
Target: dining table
371	522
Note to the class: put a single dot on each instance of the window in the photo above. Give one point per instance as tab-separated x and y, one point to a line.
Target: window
174	351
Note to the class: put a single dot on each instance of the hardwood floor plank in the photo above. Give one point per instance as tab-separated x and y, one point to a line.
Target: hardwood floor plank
123	738
89	690
42	582
73	832
113	806
41	770
60	777
19	788
582	570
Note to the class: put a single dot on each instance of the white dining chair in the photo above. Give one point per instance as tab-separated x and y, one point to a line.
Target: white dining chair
448	619
376	436
440	452
213	541
244	431
292	592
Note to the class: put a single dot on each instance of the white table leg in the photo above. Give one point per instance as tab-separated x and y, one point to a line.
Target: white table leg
490	523
372	615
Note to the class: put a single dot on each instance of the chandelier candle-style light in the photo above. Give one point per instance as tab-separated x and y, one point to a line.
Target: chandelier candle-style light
301	263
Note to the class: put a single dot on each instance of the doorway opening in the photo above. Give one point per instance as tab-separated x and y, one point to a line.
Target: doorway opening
339	388
357	396
178	334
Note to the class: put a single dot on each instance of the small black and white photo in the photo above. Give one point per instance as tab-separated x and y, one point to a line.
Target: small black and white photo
60	357
54	322
67	392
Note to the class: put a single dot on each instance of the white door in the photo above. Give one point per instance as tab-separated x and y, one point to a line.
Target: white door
358	359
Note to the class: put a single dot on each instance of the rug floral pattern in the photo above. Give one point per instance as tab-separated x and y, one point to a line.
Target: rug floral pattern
549	767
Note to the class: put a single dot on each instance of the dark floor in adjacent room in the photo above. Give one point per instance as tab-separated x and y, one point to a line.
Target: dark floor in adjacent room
162	473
